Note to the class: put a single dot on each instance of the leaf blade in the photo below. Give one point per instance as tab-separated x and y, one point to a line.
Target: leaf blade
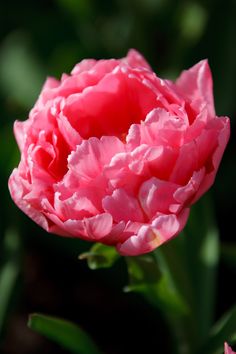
65	333
223	331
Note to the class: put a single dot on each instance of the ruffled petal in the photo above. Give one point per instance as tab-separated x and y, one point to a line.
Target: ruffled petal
90	157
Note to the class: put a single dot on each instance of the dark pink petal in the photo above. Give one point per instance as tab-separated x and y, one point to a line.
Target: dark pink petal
115	235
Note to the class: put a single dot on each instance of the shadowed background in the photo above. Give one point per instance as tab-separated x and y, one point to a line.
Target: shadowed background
40	272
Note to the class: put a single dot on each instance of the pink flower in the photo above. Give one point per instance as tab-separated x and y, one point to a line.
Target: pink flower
228	350
112	153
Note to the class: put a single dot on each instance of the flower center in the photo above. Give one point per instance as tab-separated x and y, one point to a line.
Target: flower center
110	107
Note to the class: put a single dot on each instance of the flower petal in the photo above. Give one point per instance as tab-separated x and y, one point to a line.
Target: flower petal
228	350
135	59
149	237
122	206
88	161
157	196
196	84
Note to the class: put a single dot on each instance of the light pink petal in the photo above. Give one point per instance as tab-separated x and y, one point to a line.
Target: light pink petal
72	228
223	139
207	142
196	84
157	196
144	155
97	68
228	350
40	121
98	226
204	152
90	157
186	194
149	237
153	161
90	229
135	59
129	170
76	207
81	79
20	131
197	126
145	241
47	157
119	175
186	163
70	135
17	192
122	206
84	65
216	157
159	128
170	225
50	85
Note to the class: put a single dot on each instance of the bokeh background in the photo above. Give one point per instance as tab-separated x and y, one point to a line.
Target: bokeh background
41	272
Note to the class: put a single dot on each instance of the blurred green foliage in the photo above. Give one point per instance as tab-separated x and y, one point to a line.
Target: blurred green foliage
65	333
46	38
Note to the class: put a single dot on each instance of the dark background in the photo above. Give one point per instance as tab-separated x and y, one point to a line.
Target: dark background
46	38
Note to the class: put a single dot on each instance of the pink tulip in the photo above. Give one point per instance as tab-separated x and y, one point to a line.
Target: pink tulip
228	350
114	154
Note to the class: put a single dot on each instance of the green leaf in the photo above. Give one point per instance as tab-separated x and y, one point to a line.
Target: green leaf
81	9
171	260
21	74
9	272
151	277
147	278
64	333
192	21
201	252
100	256
228	253
8	276
223	331
183	271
